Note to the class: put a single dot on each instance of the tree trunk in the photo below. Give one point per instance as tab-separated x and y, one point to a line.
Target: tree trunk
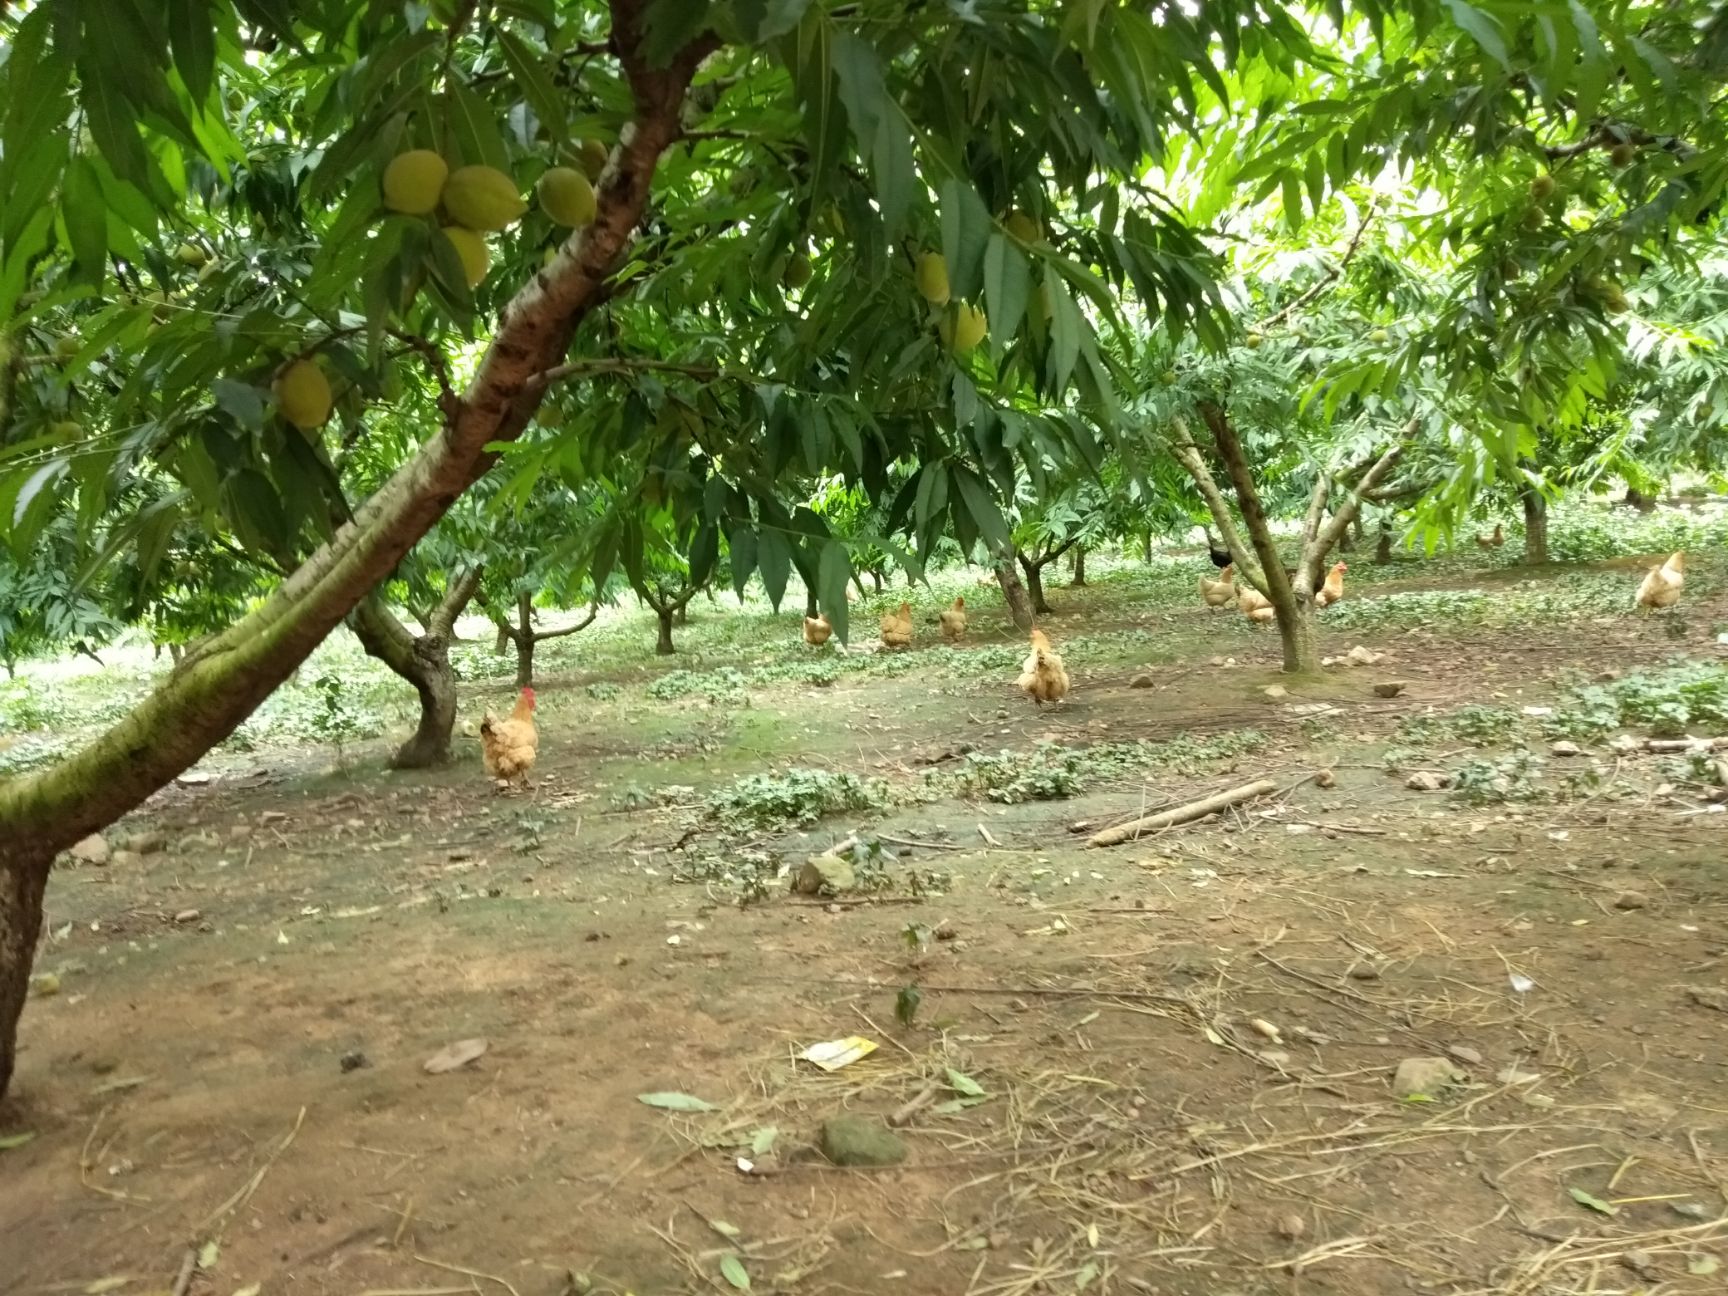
664	648
1035	586
1079	577
1383	550
223	681
501	642
525	639
682	616
1019	606
24	868
1535	526
1146	547
875	579
424	661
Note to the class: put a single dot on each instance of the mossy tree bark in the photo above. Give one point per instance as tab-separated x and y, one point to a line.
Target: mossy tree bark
1078	578
1535	526
424	661
223	680
1019	605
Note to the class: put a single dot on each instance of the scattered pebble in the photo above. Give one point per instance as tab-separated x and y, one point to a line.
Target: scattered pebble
91	850
353	1060
1629	900
1564	748
1291	1226
1428	781
1428	1077
1143	680
187	916
1465	1054
1389	688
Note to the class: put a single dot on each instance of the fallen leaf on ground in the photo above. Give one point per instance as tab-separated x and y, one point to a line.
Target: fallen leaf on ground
452	1057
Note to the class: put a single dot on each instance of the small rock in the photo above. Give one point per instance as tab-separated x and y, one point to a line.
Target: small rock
272	817
1465	1054
1291	1226
1364	972
1426	1076
1389	688
1428	781
1325	779
187	916
150	841
859	1141
1641	1263
1708	997
92	850
1276	691
1143	680
823	875
1360	656
453	1057
353	1060
1564	748
1229	661
125	859
1629	900
1260	1026
240	832
1690	1210
1215	661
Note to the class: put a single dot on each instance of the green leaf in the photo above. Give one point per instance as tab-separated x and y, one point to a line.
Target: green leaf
963	1084
763	20
681	1102
1007	286
982	508
733	1271
191	31
1066	324
966	230
536	83
474	127
775	556
832	575
762	1141
16	1140
86	215
1594	1203
879	126
704	553
1483	28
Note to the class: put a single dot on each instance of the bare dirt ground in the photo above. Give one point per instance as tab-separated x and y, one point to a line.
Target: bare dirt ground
1163	1068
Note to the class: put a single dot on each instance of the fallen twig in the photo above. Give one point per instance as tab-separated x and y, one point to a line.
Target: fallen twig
466	1273
1183	813
188	1267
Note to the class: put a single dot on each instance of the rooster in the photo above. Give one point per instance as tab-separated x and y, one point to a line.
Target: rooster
1219	593
510	745
897	628
954	620
817	629
1333	589
1042	675
1220	557
1492	541
1662	584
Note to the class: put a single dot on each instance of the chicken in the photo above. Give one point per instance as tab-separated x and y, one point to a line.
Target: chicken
1218	593
1492	541
954	620
1042	676
1220	557
510	745
1333	588
1661	585
817	629
1255	605
897	628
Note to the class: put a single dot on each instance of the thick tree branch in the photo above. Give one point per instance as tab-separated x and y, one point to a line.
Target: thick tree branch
1325	281
1188	454
456	597
1328	534
1275	582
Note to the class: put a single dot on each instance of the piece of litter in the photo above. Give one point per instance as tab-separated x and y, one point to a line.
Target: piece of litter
746	1166
455	1056
1521	984
831	1055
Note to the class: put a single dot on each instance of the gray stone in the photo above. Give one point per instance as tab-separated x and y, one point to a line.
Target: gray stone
149	841
1427	781
1426	1076
1143	680
1564	748
860	1141
126	859
92	850
1388	688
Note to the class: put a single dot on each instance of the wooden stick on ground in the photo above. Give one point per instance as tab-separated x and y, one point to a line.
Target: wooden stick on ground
1182	814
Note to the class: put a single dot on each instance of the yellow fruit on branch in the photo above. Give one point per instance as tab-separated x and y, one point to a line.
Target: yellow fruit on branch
476	257
566	197
190	254
1022	227
482	198
303	395
1379	335
66	345
1254	340
963	328
413	181
933	278
591	156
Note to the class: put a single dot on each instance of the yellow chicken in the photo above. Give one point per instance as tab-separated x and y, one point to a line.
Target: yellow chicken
509	746
1042	675
897	628
817	629
1219	593
1254	605
1661	585
954	621
1333	590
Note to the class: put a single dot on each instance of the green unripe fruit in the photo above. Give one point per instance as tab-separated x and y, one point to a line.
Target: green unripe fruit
413	181
482	198
797	272
963	328
1622	154
303	395
566	197
1019	225
471	248
933	278
190	254
591	156
66	345
1254	340
1534	219
1510	269
1379	335
68	430
1541	187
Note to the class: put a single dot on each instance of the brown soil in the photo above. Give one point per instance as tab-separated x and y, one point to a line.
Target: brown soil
1186	1044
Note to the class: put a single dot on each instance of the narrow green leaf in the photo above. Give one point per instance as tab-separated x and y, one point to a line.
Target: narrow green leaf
963	1084
16	1140
966	230
681	1102
733	1271
832	575
535	82
1483	29
1007	286
192	33
474	127
1594	1203
86	216
775	557
985	515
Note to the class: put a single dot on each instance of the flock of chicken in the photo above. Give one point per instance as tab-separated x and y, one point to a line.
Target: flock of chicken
510	745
